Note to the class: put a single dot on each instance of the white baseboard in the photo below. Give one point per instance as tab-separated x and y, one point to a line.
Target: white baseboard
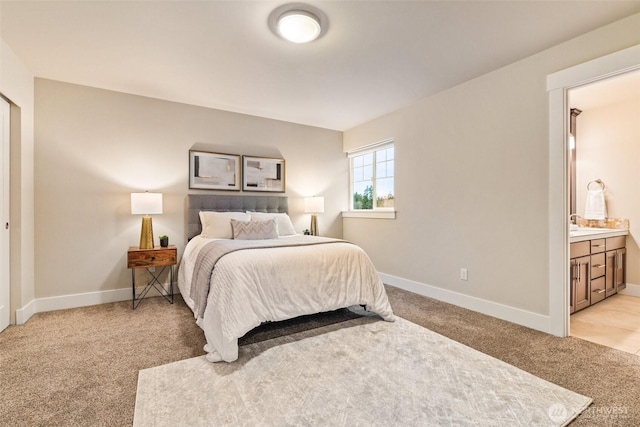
82	300
631	290
515	315
23	314
501	311
63	302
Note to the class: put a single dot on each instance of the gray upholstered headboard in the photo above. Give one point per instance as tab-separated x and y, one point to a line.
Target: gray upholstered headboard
217	203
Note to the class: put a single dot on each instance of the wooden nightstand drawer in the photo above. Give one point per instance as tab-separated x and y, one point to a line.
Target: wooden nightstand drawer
156	257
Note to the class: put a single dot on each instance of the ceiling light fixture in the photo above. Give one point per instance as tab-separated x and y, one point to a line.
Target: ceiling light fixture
299	26
298	22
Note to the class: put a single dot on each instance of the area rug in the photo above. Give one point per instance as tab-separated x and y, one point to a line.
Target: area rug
360	372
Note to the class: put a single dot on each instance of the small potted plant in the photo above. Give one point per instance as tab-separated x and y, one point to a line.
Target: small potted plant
164	241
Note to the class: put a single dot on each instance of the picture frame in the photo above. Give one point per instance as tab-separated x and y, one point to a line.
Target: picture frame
264	174
214	171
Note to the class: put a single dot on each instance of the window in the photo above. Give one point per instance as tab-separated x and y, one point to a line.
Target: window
372	177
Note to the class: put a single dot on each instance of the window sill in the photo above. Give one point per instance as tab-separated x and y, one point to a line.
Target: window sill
370	214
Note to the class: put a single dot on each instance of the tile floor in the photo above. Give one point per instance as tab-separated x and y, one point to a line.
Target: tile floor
614	322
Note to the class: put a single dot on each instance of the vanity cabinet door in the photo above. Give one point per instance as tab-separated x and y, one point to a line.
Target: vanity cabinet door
610	276
573	273
582	280
621	261
615	276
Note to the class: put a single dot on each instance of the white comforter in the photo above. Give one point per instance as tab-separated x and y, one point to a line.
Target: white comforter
249	287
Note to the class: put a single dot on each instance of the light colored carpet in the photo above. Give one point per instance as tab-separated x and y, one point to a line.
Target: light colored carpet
360	372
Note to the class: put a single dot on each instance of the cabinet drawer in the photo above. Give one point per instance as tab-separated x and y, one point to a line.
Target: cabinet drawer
151	258
597	290
579	249
598	245
598	265
616	242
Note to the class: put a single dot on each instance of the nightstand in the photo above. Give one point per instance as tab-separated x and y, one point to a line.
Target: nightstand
149	259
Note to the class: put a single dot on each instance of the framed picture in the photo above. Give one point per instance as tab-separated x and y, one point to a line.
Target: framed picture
214	171
263	174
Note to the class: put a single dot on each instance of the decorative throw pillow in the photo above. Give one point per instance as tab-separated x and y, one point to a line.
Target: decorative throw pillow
254	230
217	225
285	227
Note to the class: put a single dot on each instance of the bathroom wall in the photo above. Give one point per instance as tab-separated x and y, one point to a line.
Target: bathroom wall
608	148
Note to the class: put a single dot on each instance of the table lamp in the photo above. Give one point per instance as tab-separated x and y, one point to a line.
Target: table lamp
146	204
314	205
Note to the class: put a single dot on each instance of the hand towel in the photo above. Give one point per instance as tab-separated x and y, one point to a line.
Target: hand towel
595	207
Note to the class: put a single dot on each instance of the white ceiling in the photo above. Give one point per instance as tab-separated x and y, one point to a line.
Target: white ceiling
376	57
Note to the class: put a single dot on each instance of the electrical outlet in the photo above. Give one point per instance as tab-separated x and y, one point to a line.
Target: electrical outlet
463	274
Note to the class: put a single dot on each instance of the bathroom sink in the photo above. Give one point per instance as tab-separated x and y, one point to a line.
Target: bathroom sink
584	231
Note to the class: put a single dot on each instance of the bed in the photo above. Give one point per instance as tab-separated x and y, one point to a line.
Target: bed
245	265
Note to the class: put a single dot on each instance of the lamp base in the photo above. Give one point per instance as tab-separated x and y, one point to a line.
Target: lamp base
314	225
146	233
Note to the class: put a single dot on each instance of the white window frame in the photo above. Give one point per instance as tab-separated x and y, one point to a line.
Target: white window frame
375	212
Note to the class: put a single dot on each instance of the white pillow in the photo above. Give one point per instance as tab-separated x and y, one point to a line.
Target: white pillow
254	230
285	227
217	225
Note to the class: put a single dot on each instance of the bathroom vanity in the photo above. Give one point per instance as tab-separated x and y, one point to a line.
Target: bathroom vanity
597	265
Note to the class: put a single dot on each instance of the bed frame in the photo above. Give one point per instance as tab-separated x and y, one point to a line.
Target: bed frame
235	203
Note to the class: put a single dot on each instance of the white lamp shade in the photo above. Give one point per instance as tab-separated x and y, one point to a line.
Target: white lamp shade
299	26
146	203
314	204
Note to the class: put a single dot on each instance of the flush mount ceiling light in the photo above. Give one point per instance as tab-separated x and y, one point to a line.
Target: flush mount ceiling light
299	26
298	23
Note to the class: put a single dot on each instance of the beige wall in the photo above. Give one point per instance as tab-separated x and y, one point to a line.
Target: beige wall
609	149
472	167
16	84
94	147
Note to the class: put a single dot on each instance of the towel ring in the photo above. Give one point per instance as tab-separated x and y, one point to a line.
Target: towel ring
597	181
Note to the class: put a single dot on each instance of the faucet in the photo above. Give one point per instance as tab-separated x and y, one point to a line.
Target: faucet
575	218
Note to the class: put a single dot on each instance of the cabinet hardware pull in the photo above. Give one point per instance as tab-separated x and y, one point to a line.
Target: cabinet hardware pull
598	246
579	271
599	266
598	291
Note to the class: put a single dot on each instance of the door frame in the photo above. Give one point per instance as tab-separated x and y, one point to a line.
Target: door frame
558	86
5	238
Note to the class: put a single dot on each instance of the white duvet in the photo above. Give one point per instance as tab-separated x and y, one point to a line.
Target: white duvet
252	286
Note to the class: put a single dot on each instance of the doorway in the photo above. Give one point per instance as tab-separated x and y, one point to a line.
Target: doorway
606	147
558	86
5	314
